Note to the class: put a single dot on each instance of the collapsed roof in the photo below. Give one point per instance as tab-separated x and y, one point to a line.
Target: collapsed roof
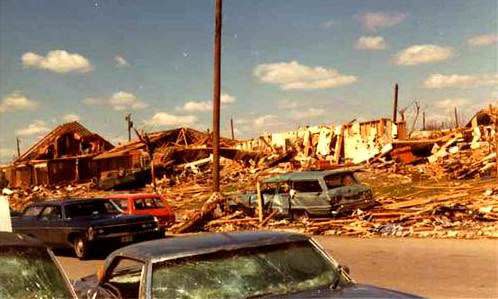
66	140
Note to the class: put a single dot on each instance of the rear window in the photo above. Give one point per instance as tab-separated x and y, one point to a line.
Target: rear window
307	186
148	203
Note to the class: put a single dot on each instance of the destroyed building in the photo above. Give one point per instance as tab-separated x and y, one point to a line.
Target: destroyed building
63	156
353	142
129	164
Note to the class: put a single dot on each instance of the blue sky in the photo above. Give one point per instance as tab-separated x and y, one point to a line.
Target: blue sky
285	63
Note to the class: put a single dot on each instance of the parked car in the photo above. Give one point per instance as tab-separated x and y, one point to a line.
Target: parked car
226	265
82	223
312	193
144	204
29	270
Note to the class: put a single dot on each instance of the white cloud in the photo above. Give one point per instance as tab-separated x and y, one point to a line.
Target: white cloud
192	106
371	43
166	119
17	101
292	75
451	103
372	21
419	54
287	104
119	101
483	40
460	81
70	117
59	61
120	61
35	128
225	98
122	100
309	113
265	120
328	24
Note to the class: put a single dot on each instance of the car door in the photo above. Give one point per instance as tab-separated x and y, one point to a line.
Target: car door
52	225
27	223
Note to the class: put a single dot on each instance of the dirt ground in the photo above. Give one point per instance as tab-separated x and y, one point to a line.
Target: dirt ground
434	268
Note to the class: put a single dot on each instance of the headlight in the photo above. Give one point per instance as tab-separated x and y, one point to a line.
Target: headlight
156	219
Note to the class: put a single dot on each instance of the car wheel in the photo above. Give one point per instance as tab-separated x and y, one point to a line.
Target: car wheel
81	248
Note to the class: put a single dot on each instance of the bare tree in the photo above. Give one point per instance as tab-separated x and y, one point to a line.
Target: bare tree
415	118
150	148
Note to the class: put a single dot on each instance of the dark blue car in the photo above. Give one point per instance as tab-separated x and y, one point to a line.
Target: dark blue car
83	223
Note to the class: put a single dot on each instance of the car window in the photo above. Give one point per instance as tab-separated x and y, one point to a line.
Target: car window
148	203
126	276
275	269
307	186
52	212
90	208
339	180
29	272
121	203
32	211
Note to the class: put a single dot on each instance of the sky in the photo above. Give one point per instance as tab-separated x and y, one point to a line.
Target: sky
285	63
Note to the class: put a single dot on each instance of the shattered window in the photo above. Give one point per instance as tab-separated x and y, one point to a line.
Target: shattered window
28	273
307	186
339	180
277	269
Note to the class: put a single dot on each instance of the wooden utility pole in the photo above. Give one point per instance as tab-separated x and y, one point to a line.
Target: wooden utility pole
130	125
216	95
18	147
423	121
457	124
395	106
231	128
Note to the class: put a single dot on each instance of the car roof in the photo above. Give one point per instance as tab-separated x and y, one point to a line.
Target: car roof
203	243
308	175
65	201
8	239
133	195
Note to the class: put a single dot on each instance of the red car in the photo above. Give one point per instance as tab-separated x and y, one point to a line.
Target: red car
144	204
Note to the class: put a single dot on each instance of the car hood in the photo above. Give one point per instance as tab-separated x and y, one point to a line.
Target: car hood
353	291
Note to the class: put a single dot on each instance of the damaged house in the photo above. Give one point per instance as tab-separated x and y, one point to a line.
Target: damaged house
63	156
128	165
354	142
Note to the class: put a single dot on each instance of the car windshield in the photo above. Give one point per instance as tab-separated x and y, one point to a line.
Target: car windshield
90	208
276	269
30	273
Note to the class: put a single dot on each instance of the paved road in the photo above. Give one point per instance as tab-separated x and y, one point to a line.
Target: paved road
432	268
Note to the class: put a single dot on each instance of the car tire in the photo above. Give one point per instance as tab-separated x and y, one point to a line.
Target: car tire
81	247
